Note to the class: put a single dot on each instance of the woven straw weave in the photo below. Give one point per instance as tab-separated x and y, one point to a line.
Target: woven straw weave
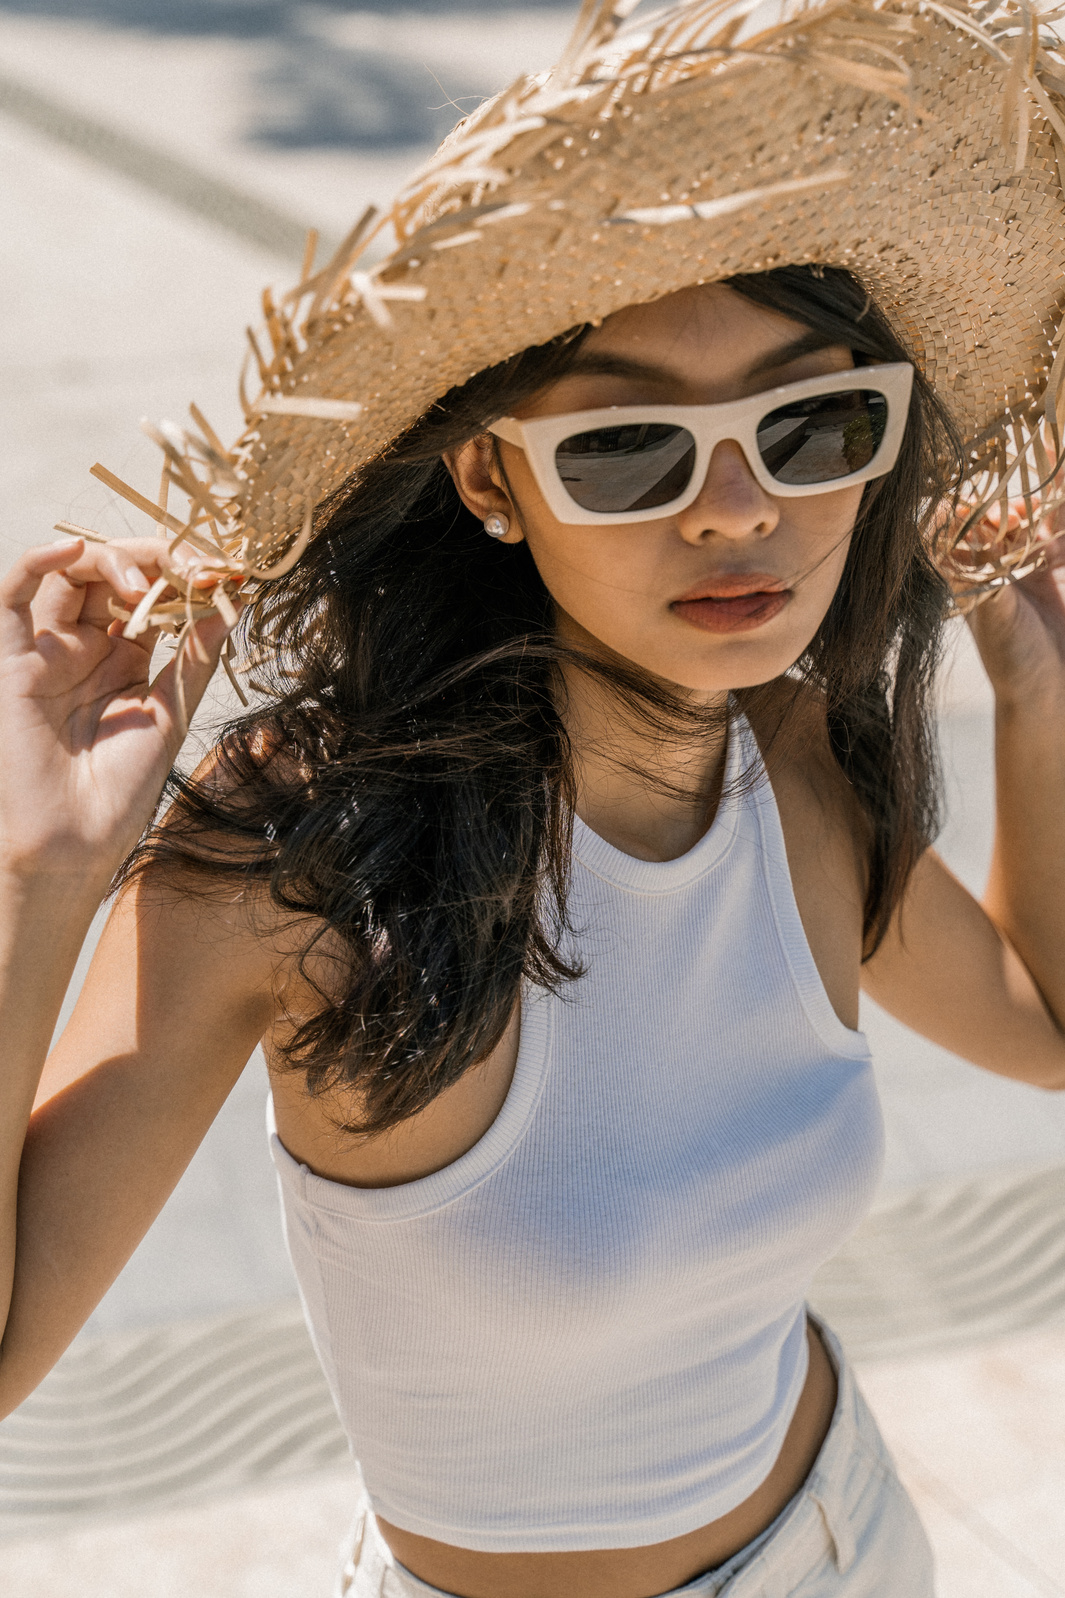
916	144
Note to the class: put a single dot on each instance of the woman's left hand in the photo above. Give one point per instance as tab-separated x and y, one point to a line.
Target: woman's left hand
1020	630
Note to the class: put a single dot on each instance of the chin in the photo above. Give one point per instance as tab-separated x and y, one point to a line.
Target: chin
742	668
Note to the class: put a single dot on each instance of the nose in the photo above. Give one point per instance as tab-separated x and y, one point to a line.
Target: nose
731	502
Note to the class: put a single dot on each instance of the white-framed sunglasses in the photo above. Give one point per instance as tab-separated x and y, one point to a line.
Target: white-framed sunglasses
638	463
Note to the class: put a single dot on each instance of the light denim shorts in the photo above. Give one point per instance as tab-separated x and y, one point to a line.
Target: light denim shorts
850	1532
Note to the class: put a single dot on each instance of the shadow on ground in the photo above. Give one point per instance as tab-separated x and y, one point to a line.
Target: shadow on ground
318	95
245	19
313	89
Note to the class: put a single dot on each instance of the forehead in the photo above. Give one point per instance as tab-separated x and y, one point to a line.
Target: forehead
684	329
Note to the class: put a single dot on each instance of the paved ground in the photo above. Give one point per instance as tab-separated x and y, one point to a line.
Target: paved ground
123	300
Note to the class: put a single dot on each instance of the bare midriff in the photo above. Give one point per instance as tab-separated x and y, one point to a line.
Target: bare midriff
636	1572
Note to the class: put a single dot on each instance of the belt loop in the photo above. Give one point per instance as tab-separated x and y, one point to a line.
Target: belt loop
837	1525
350	1549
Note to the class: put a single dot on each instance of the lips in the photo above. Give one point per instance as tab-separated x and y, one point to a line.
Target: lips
733	602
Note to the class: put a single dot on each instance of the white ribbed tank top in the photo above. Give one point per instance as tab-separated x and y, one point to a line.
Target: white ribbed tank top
588	1332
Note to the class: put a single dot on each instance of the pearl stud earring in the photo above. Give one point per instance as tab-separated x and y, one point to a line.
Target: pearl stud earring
496	526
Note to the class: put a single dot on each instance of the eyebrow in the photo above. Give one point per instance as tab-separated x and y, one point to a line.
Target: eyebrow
807	343
596	363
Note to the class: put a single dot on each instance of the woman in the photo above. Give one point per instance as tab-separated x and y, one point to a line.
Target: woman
594	780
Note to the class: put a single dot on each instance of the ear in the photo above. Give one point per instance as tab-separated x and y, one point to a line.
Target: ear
474	469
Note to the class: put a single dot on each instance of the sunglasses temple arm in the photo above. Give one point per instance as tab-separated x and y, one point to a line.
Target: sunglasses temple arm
509	430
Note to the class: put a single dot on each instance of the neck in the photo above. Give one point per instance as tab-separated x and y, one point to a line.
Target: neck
649	789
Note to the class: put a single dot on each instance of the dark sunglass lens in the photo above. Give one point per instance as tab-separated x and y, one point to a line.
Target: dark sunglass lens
635	467
820	439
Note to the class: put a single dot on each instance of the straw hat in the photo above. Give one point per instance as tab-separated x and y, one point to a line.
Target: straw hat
920	145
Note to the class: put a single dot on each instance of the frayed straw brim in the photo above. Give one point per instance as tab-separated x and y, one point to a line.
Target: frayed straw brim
919	145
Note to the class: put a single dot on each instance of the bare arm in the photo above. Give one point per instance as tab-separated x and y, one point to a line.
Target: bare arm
1021	637
988	980
85	744
946	970
178	995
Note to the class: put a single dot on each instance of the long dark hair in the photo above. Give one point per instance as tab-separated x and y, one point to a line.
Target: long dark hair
407	793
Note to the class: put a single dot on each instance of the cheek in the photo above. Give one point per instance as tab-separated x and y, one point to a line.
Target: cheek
604	577
821	531
609	580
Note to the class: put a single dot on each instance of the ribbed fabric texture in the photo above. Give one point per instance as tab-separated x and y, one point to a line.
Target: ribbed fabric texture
588	1332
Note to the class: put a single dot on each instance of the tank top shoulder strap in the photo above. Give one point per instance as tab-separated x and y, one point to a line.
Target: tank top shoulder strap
754	796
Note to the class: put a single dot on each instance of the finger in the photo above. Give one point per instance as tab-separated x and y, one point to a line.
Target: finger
126	565
21	584
22	580
81	591
197	663
194	566
156	556
145	642
128	568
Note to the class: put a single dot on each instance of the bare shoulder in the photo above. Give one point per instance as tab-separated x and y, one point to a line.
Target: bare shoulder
195	961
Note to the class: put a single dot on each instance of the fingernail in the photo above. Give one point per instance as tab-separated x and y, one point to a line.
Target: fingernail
136	580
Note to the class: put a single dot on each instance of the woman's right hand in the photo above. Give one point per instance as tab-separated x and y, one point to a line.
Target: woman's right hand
86	738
